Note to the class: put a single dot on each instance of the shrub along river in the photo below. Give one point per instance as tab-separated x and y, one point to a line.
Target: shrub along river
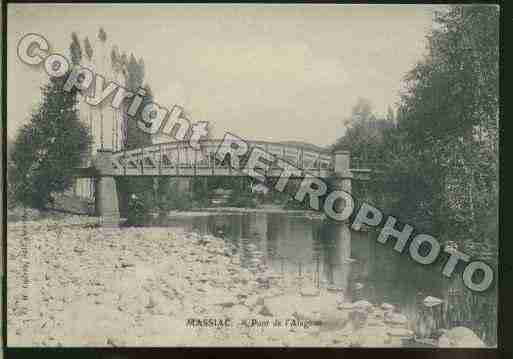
325	254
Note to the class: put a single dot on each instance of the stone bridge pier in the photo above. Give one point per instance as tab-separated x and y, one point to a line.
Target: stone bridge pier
106	190
340	257
343	175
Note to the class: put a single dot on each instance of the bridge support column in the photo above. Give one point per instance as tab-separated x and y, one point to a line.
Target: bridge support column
106	192
343	175
106	201
341	232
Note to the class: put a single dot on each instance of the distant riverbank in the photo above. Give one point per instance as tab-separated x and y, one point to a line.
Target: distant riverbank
262	209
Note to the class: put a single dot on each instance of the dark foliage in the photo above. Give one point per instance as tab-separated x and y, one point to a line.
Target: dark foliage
48	148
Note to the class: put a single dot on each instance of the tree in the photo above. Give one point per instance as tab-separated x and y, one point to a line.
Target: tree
440	148
449	114
88	49
102	35
390	114
448	118
129	72
116	68
49	147
88	59
364	135
75	49
143	188
441	154
101	66
362	110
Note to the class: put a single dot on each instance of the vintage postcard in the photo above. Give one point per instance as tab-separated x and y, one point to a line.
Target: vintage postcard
252	175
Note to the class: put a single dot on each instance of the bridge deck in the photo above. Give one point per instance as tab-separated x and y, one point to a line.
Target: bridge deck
178	159
87	172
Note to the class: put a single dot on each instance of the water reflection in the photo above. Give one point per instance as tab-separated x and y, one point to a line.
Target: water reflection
330	254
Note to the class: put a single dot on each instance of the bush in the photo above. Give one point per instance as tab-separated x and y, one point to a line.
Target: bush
171	199
139	206
293	204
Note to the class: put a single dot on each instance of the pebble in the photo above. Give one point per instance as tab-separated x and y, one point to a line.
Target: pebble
363	305
400	332
430	301
395	319
309	291
346	306
387	307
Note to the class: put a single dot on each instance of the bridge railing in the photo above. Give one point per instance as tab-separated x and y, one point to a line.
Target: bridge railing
361	163
180	155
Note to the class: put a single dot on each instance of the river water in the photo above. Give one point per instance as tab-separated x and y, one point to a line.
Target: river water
330	254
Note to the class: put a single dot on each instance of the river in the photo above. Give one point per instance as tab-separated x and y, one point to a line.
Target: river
331	254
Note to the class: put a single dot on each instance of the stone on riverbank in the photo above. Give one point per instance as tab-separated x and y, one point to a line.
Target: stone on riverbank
309	291
395	319
387	307
363	305
460	337
430	301
369	337
345	306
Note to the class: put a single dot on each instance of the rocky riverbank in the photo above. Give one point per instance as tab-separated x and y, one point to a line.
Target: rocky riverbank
74	284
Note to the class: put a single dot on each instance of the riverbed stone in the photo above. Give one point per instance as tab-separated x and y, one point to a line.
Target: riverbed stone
238	312
219	297
430	301
363	305
253	301
375	323
309	291
334	288
395	319
460	337
369	337
378	314
346	306
358	318
387	307
283	306
400	332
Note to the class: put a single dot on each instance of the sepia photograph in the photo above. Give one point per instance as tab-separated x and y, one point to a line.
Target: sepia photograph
252	175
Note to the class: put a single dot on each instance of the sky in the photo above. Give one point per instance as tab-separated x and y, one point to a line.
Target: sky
263	72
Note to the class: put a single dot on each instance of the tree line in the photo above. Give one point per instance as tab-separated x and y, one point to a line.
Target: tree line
439	152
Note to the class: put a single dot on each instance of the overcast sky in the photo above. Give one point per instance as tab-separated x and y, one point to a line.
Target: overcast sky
268	72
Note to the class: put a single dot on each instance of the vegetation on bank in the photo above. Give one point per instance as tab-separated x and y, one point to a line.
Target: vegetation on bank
47	148
439	153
